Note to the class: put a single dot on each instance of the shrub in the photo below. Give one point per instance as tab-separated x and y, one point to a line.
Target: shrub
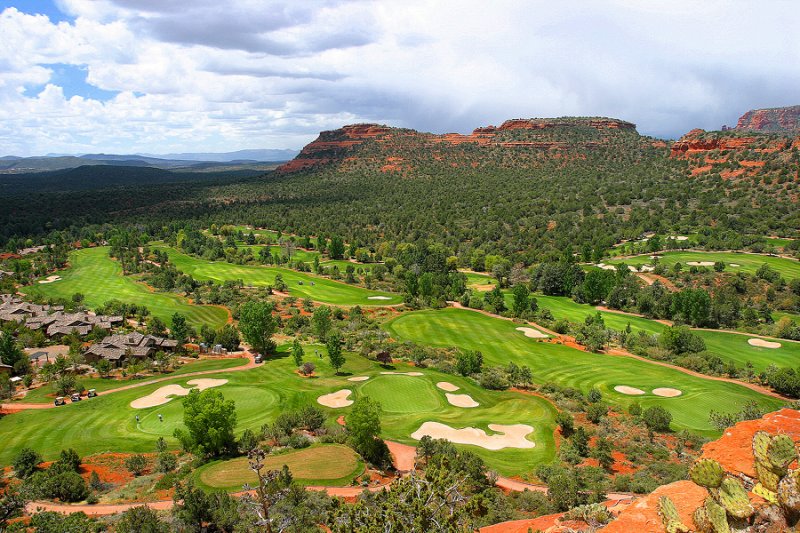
26	463
136	464
657	418
299	441
166	462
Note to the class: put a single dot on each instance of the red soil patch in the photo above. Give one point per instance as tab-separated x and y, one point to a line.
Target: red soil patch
643	514
700	170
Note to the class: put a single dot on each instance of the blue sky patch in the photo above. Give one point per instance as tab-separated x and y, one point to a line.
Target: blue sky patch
72	79
38	7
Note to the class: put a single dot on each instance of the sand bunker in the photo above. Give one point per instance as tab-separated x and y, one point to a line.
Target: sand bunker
700	263
50	279
358	378
761	343
336	399
646	268
449	387
606	267
166	393
461	400
734	265
630	391
402	373
532	333
681	238
379	297
511	436
667	392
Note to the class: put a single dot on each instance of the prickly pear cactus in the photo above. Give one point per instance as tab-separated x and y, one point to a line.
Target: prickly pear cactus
717	516
761	440
781	451
707	473
669	516
767	476
769	495
789	492
701	521
733	498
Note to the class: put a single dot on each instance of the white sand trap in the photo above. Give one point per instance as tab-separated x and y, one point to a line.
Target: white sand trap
532	333
630	391
50	279
761	343
734	265
336	399
379	297
681	238
449	387
511	436
700	263
402	373
358	378
166	393
646	268
667	392
606	267
461	400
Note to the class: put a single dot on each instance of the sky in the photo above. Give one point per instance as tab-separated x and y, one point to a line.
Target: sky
158	76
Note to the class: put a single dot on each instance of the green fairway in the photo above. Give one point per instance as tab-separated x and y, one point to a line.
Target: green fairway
788	268
563	307
500	343
46	393
326	464
476	279
99	278
297	255
108	424
300	284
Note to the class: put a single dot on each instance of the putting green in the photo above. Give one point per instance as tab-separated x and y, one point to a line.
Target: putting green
99	278
108	424
567	367
788	268
326	464
403	394
300	284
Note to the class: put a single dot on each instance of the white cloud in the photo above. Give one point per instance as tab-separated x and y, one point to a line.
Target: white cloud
204	75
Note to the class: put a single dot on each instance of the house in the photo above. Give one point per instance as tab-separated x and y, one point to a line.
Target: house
118	348
51	318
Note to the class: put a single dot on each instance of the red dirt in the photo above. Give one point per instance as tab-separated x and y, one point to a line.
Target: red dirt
642	515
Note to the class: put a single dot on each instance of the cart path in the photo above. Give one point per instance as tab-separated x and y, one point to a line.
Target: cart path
16	407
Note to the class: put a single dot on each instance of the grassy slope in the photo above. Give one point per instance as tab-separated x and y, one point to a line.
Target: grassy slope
788	268
323	290
500	343
45	394
93	273
728	346
107	423
327	464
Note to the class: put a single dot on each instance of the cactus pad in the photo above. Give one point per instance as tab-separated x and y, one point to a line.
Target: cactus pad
770	495
669	516
707	473
733	498
761	441
781	451
717	516
701	521
768	478
789	491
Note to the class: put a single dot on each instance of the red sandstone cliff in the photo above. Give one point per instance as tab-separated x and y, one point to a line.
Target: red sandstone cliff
779	119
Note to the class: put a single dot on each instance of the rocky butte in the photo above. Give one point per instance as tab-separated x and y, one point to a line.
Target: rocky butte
393	144
773	120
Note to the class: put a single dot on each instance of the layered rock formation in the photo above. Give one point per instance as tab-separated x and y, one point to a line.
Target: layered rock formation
543	134
774	120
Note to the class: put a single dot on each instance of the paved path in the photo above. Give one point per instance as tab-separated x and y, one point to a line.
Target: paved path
16	407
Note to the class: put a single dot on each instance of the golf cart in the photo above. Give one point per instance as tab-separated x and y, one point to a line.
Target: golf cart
75	397
92	393
259	358
59	401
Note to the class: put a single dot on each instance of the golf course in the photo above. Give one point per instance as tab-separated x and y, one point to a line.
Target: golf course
500	344
99	278
300	284
108	422
734	262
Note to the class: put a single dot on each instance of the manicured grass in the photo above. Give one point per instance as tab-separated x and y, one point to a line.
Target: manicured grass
322	290
736	348
99	278
563	307
46	393
500	344
475	279
342	265
107	423
326	464
788	268
297	254
404	394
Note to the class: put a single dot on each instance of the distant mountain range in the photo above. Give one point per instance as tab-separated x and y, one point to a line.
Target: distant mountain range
188	161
